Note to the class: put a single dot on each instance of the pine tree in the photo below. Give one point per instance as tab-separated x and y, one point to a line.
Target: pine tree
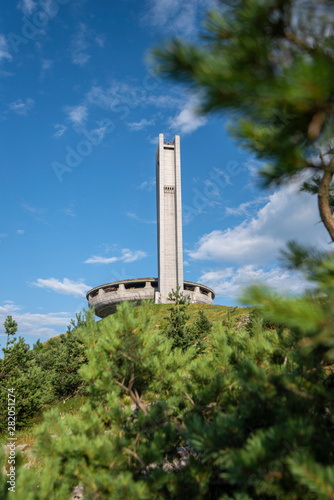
268	65
10	329
249	418
19	371
77	323
202	324
200	332
177	329
116	446
66	363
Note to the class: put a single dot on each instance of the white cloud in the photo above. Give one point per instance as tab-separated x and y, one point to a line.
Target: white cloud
139	219
68	211
81	42
97	259
4	52
106	99
50	7
20	231
142	124
77	114
160	11
66	287
149	184
38	325
79	46
60	131
99	133
288	215
5	74
100	41
130	256
247	208
46	64
27	6
175	16
153	140
21	106
33	210
131	96
127	256
230	282
38	213
187	120
161	101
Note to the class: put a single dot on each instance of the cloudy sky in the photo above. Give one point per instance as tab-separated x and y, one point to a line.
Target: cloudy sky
80	119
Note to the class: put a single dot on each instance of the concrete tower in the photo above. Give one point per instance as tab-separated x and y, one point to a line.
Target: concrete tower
169	218
105	298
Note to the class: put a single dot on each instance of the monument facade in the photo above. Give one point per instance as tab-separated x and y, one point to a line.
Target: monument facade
169	217
104	298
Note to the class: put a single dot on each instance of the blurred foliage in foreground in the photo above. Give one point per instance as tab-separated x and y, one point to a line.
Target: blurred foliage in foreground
268	65
250	416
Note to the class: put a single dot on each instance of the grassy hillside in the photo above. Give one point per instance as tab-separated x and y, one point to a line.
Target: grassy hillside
71	405
26	436
214	313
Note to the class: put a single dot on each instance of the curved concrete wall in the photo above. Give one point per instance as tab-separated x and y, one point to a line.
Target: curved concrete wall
104	298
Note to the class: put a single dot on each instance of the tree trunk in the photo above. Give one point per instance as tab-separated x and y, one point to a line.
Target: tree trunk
323	203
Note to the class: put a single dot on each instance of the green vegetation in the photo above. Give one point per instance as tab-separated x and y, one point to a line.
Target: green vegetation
249	414
214	313
182	335
41	376
268	66
50	372
10	329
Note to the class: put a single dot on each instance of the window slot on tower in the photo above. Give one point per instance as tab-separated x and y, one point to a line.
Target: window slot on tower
169	189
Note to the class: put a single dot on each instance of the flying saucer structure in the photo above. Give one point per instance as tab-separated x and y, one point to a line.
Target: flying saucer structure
105	298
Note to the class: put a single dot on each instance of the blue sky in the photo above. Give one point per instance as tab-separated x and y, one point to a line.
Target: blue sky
80	119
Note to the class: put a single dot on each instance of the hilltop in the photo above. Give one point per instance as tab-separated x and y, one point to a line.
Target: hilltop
61	357
213	312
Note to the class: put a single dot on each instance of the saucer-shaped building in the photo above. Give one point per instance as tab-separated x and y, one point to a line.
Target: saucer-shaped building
104	298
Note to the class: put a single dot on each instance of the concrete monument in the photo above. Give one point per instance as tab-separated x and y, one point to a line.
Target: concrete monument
169	217
104	298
